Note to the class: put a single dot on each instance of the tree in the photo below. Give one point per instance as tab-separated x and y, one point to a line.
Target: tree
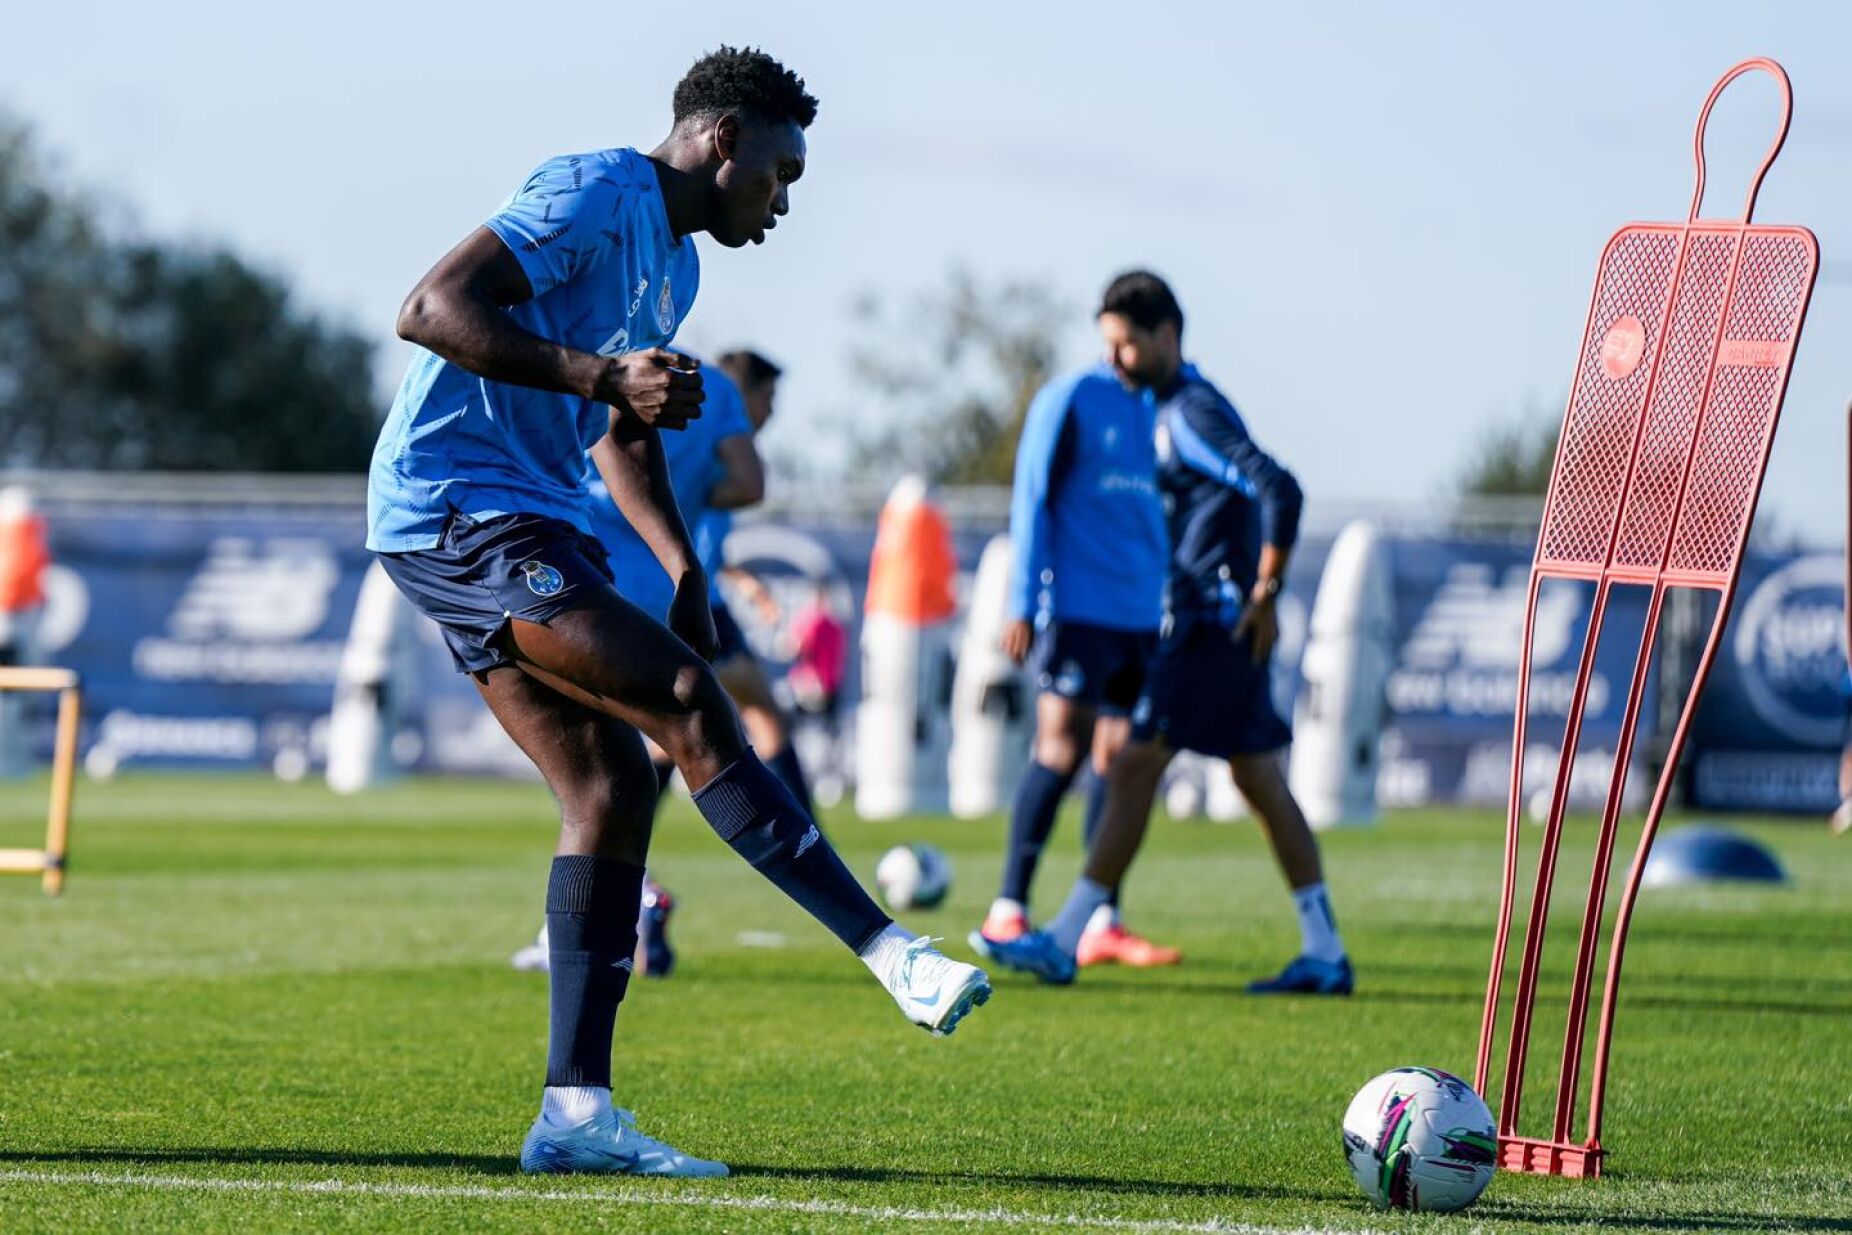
121	354
953	378
1514	459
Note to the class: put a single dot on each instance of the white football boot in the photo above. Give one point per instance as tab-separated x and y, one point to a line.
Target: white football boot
608	1143
934	991
532	958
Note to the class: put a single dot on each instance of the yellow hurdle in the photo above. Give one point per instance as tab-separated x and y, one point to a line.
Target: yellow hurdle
49	861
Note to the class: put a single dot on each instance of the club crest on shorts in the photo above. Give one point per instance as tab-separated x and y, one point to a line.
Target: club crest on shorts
1070	678
665	308
542	579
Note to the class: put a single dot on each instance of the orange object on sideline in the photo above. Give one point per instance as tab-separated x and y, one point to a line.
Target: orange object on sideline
911	572
23	559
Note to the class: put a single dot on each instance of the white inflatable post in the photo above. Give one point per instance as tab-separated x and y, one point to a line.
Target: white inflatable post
903	723
375	688
992	708
1337	723
1222	802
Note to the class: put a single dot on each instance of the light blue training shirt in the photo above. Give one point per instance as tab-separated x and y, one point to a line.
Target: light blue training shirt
608	276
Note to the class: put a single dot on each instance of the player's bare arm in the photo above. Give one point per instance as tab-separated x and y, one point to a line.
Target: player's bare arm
1260	617
630	460
456	312
742	474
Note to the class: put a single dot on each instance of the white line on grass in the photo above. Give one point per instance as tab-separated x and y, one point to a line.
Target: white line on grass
686	1200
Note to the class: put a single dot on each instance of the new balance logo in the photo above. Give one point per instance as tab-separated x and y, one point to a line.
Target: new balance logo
627	964
810	838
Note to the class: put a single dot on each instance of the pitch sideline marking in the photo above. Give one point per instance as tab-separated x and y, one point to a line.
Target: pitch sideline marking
689	1200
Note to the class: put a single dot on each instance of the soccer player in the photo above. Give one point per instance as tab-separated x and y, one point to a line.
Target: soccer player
544	338
1234	515
1085	599
735	664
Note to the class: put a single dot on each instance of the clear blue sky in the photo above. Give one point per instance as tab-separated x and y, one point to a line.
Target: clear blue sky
1382	219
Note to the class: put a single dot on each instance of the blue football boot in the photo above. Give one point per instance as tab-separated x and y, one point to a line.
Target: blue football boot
1036	953
1307	976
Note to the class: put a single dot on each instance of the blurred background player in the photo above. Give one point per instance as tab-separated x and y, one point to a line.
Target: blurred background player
541	340
711	462
1086	597
739	670
819	649
1234	515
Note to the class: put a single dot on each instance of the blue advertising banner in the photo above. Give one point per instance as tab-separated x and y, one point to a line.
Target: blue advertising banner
1459	622
204	639
1769	731
211	638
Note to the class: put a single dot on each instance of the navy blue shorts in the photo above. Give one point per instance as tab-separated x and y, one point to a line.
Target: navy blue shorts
481	574
732	638
1206	694
1094	665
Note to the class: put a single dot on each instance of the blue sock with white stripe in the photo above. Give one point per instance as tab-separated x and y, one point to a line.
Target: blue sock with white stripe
1094	799
592	906
1318	929
754	813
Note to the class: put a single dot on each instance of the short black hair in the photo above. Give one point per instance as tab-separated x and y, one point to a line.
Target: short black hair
1142	299
748	368
743	79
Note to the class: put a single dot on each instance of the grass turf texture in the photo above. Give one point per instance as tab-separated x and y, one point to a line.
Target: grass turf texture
262	1007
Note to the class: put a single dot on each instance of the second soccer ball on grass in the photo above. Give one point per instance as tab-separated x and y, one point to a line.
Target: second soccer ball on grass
914	876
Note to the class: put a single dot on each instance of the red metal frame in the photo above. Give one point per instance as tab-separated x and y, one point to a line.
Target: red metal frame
1690	335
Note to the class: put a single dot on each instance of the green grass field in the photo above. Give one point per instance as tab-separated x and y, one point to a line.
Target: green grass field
260	1007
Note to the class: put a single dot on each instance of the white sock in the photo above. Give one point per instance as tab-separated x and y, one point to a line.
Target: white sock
1104	919
1318	930
1004	907
566	1105
883	953
1071	922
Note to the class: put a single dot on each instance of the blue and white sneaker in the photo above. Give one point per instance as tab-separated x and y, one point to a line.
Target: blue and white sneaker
608	1143
1304	975
1036	953
534	957
934	991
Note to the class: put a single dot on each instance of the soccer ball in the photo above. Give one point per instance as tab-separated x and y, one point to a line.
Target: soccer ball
913	877
1420	1138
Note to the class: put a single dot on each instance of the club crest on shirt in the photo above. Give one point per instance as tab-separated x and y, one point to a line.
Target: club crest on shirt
542	579
665	308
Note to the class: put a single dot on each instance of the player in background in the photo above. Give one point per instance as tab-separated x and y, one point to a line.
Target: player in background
542	338
1233	515
1085	598
739	670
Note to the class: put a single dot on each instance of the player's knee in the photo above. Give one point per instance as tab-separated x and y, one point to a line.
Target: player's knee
1140	764
705	723
1058	751
1256	776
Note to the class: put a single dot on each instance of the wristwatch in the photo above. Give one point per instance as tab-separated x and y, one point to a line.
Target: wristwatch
1267	588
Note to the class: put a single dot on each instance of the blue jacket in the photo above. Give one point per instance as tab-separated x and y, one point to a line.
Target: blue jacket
1224	498
1085	520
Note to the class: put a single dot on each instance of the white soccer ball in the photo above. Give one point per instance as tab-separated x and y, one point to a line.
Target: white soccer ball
1420	1138
913	877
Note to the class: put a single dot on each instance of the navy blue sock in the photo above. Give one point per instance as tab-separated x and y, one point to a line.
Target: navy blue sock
1094	797
753	812
592	906
786	767
1032	817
